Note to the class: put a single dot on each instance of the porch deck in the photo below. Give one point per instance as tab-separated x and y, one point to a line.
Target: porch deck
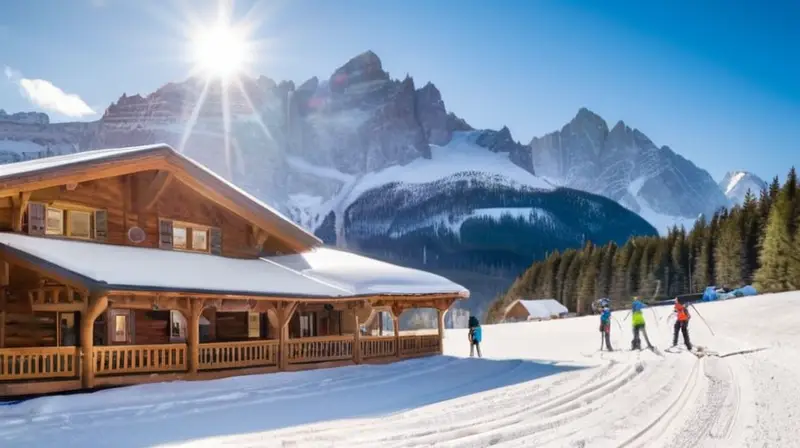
35	370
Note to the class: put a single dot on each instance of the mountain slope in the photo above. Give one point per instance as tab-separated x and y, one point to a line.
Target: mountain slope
625	165
735	185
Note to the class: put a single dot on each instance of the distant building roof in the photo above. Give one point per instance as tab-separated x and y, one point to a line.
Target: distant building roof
542	308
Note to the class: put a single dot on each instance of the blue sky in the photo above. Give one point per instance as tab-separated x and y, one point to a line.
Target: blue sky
717	81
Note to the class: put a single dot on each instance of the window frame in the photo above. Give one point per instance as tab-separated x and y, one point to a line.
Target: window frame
47	210
69	225
185	245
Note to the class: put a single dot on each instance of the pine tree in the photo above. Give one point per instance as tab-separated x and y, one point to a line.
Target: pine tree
570	293
679	281
561	276
728	253
776	250
751	232
794	260
621	268
605	277
588	279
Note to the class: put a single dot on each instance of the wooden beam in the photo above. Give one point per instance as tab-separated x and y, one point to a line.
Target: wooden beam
5	279
193	337
83	172
441	314
97	305
148	194
19	203
257	236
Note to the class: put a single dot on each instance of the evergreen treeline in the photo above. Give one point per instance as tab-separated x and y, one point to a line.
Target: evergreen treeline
756	243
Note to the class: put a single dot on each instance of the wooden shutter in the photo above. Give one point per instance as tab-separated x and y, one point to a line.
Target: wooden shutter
36	218
215	240
100	225
165	234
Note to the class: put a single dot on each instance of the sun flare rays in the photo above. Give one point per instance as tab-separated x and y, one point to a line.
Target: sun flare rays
223	53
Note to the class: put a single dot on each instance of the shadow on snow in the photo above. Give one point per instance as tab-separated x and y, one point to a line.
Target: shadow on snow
152	414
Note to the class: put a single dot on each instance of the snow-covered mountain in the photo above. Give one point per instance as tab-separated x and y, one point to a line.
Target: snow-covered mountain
376	164
623	164
735	185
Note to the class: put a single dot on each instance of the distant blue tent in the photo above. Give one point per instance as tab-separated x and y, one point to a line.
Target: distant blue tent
749	290
710	294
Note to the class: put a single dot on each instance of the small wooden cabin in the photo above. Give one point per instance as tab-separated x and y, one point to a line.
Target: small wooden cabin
134	265
542	309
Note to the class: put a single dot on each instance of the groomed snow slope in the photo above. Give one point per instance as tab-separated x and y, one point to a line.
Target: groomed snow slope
540	384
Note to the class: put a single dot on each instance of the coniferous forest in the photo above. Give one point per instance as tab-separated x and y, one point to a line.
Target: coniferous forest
757	242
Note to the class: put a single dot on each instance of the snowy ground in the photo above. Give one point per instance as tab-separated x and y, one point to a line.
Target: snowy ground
541	384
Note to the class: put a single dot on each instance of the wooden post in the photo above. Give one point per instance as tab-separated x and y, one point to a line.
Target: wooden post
96	306
441	329
4	282
285	312
396	311
193	337
357	339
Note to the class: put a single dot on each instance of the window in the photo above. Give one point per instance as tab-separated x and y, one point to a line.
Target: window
188	236
200	240
179	237
120	332
55	221
79	224
308	326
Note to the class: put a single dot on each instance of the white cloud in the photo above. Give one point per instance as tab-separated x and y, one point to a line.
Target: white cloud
49	97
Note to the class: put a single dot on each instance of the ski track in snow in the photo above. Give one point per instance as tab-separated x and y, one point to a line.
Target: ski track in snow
541	384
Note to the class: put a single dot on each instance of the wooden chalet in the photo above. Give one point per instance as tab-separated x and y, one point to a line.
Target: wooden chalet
135	265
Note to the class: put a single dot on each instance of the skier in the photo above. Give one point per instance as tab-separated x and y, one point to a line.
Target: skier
474	336
605	326
637	319
681	324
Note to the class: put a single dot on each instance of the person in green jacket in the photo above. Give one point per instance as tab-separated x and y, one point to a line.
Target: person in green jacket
637	319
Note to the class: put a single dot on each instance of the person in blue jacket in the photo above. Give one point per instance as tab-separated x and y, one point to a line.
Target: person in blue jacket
605	327
474	336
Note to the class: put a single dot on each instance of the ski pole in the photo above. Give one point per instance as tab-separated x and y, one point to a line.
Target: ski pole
701	318
655	316
618	324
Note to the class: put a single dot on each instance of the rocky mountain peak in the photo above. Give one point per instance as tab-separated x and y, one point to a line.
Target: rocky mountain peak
736	183
25	117
363	68
625	165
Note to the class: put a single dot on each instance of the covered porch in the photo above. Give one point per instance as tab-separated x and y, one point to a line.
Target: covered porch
61	330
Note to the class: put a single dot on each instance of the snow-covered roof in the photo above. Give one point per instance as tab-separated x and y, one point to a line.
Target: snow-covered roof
51	163
366	276
543	308
114	267
17	172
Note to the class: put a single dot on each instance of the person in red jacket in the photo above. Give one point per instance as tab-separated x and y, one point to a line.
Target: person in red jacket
681	324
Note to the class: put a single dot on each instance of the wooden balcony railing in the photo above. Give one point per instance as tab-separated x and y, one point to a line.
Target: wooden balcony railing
319	349
418	345
121	359
236	355
377	346
38	362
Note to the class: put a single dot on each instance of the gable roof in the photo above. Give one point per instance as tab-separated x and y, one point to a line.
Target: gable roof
90	165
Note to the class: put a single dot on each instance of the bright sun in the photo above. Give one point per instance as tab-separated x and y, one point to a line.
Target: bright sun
221	51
